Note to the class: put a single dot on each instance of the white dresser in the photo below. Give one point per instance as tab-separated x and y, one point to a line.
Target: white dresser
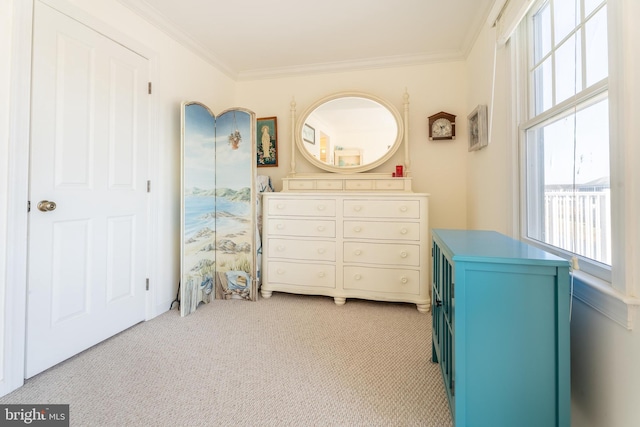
347	245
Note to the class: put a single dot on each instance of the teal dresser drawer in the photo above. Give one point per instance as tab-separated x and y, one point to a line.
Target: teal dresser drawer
501	330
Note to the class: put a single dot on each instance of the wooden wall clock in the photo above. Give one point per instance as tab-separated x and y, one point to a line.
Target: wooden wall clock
442	126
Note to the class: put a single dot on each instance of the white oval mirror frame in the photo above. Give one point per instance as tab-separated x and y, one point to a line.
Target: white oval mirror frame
394	145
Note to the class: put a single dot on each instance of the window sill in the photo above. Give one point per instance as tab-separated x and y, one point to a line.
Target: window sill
600	296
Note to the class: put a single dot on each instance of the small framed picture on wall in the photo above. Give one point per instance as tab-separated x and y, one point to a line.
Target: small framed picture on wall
267	141
477	124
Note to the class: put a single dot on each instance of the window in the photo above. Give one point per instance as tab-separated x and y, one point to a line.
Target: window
567	204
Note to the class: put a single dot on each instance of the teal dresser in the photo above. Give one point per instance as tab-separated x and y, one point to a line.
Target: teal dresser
501	330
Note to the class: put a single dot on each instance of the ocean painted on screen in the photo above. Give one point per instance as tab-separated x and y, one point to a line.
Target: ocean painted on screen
217	258
204	211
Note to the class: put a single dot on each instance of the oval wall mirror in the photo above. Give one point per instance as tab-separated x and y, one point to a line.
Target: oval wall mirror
349	132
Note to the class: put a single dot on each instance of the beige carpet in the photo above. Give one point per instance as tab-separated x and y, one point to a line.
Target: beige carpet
285	361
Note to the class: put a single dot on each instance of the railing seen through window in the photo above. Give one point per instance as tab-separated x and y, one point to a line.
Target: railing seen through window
566	147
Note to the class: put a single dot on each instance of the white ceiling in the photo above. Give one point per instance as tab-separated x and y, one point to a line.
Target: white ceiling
249	39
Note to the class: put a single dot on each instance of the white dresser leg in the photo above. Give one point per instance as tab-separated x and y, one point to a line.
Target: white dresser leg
339	301
265	294
423	308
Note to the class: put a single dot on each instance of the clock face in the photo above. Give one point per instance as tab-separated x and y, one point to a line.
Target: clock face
441	128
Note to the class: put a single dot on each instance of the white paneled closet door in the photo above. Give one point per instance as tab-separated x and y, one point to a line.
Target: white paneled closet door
88	220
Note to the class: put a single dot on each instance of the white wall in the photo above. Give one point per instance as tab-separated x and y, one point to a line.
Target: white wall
490	174
605	357
605	371
438	167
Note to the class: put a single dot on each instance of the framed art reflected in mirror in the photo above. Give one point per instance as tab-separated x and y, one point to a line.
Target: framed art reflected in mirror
309	134
267	141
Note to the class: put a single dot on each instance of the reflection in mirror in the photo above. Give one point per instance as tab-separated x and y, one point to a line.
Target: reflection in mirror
349	132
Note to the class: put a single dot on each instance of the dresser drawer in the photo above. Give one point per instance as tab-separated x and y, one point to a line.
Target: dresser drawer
315	250
302	228
384	280
359	184
332	184
381	253
390	184
302	207
382	208
302	275
302	184
382	230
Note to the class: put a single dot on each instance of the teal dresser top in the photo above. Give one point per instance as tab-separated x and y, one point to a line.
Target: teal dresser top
493	247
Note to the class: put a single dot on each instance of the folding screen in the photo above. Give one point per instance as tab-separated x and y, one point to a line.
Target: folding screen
218	239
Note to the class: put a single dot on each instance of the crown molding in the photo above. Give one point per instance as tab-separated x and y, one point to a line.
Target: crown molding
151	15
481	20
346	66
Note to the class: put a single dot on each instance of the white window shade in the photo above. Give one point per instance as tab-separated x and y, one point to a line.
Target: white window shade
506	15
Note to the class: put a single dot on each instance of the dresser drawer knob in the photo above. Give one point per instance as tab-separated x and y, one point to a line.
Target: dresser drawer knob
321	250
357	229
321	207
357	252
404	279
280	226
357	208
280	206
357	277
321	228
321	274
280	248
280	271
403	254
403	208
403	230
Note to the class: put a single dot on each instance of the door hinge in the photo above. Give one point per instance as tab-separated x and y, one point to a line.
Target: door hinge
453	387
148	186
149	88
28	205
147	283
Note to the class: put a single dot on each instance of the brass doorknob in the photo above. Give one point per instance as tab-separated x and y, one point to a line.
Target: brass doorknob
46	206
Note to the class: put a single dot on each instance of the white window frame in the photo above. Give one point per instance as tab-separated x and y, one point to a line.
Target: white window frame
616	296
